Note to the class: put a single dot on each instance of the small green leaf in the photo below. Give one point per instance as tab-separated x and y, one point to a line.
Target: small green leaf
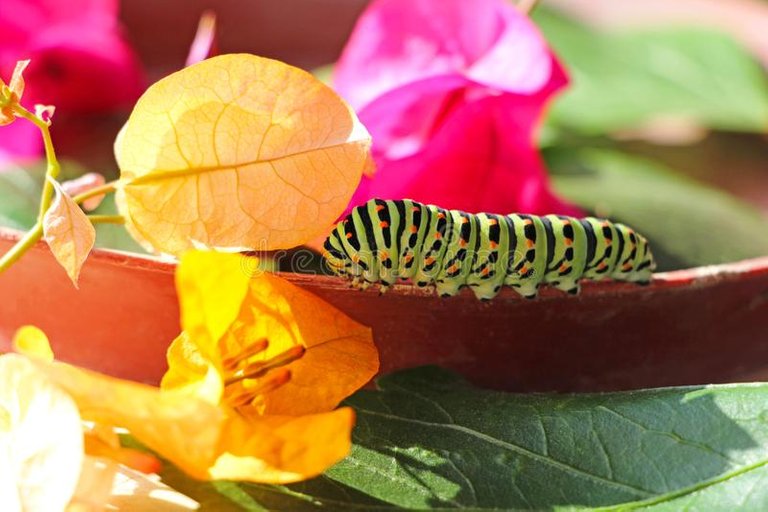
428	440
687	223
622	79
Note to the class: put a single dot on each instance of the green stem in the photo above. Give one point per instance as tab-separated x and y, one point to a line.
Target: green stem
22	246
52	172
106	219
53	164
95	191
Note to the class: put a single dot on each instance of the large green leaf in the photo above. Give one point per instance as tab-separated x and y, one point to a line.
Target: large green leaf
621	79
426	439
687	223
20	189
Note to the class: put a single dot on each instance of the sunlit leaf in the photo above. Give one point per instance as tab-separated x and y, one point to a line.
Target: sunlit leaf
426	439
68	233
238	151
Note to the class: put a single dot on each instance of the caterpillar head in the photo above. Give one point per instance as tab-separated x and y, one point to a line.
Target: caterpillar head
334	257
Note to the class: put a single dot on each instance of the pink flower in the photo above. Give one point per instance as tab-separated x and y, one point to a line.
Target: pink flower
80	61
452	92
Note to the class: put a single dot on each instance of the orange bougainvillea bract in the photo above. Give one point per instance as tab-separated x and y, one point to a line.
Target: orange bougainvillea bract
238	151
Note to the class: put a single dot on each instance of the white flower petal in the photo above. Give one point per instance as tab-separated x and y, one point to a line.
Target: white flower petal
41	439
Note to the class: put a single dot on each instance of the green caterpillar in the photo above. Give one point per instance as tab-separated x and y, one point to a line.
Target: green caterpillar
382	241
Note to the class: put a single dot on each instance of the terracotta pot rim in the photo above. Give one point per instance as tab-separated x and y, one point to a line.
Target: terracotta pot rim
695	276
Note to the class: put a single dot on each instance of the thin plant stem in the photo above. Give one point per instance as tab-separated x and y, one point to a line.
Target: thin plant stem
51	173
22	246
106	219
53	169
527	6
95	191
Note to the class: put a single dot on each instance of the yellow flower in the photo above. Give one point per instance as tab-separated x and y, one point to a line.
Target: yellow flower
11	94
251	384
277	355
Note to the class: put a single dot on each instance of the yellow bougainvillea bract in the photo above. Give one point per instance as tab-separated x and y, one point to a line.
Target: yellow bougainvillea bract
238	350
260	321
238	151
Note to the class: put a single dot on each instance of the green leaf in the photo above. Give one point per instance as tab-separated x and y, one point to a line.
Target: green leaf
738	490
622	79
426	439
20	190
687	223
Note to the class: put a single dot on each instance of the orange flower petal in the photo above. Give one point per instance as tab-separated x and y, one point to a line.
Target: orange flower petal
179	427
340	354
205	441
190	372
238	151
283	449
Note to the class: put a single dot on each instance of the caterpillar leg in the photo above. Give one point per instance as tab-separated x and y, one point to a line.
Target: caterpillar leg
568	286
527	290
447	288
384	286
486	291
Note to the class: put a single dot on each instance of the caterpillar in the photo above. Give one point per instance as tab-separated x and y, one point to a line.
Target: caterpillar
384	240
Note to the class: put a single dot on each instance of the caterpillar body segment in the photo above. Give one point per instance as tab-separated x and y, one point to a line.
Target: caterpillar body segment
386	240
